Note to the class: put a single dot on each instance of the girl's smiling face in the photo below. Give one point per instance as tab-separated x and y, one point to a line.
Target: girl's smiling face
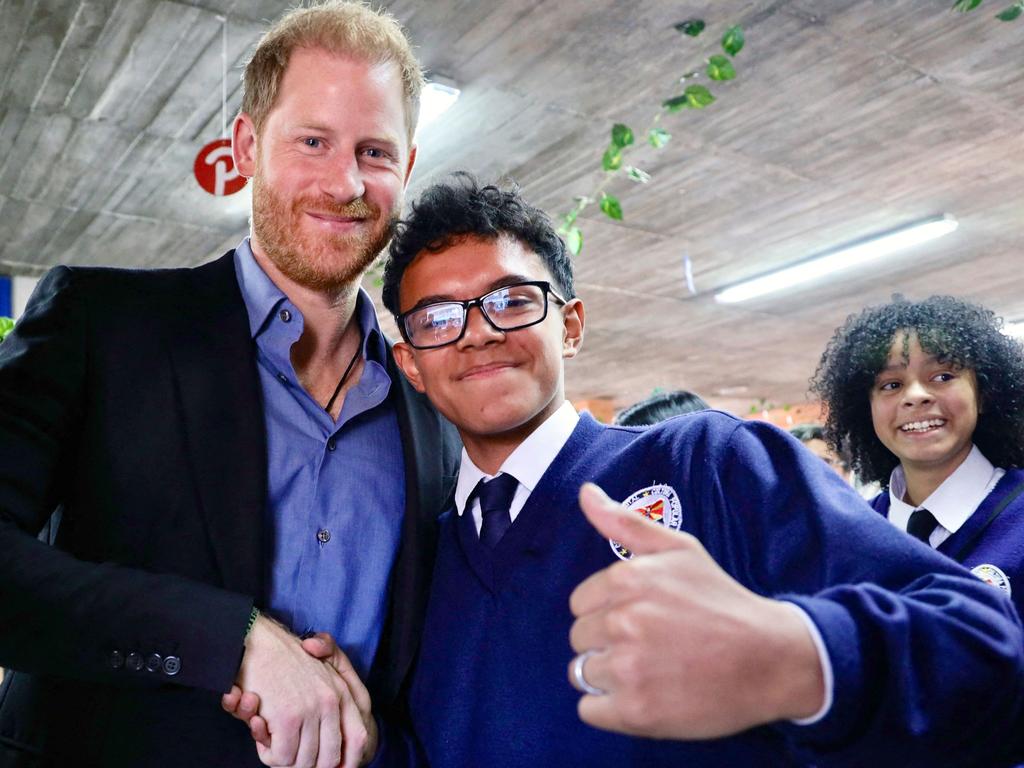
924	409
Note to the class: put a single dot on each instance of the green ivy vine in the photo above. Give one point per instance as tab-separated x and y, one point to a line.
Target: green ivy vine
1009	13
718	68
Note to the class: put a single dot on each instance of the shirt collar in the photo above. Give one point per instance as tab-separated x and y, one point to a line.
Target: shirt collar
262	298
953	502
529	461
260	294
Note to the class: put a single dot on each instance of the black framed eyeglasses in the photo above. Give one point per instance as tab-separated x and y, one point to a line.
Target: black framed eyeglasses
508	308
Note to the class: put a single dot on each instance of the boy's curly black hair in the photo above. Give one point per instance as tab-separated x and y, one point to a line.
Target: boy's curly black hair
449	211
954	330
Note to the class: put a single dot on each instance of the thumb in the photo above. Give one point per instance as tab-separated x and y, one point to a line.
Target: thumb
320	646
636	533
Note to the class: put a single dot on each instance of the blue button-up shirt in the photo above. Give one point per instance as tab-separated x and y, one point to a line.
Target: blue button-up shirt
336	488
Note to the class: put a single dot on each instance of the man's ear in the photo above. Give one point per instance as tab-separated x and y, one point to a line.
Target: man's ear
405	358
573	319
408	168
243	145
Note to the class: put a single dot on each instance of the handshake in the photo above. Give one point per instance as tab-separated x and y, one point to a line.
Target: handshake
302	700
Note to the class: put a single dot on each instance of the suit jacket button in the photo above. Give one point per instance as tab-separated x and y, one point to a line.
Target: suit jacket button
153	662
172	666
134	661
116	659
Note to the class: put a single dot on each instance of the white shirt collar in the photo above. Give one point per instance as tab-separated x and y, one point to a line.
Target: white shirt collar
527	463
954	501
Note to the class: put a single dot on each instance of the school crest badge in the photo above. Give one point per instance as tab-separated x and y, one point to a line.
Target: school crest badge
659	503
993	575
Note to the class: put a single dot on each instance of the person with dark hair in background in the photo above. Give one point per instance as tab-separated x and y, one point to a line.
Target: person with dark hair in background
237	460
928	399
746	627
813	438
658	407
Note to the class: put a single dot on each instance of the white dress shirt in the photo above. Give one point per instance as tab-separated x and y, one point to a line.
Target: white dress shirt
953	502
527	464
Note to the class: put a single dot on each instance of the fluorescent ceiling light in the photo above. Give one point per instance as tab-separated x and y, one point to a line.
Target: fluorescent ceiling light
1015	329
436	98
853	255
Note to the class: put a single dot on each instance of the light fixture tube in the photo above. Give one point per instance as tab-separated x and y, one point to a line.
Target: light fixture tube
436	98
853	255
1014	328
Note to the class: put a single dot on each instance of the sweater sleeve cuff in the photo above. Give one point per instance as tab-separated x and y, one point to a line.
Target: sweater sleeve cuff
837	632
826	666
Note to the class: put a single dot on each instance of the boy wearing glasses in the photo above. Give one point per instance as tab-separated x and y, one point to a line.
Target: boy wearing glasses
803	628
831	669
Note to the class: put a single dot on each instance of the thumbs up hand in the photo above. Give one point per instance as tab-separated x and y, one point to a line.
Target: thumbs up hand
678	647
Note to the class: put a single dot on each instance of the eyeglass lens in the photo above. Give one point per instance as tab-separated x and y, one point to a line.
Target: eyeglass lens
506	308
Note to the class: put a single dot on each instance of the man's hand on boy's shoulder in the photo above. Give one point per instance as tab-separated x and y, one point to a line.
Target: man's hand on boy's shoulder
325	720
680	648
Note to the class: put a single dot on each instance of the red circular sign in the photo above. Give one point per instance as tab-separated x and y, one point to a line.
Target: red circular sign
215	169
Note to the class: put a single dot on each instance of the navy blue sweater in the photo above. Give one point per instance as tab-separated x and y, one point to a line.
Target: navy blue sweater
910	652
992	536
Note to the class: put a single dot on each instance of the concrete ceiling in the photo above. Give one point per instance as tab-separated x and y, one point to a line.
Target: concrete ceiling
848	117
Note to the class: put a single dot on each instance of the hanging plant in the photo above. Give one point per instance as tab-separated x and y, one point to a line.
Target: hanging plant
1009	13
717	68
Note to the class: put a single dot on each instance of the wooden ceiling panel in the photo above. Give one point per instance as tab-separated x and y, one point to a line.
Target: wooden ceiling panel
848	118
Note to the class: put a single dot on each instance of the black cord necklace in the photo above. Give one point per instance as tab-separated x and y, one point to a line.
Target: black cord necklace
344	376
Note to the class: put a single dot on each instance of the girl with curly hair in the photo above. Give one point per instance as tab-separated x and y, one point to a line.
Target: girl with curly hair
928	399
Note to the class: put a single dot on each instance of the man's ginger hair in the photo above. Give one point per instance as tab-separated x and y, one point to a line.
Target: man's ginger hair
341	27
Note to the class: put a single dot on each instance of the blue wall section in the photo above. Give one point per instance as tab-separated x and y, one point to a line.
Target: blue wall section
5	296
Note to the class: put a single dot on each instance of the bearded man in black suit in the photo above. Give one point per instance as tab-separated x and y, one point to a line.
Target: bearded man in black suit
233	457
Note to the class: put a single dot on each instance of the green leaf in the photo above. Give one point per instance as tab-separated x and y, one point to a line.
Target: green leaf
732	40
622	135
720	68
637	175
675	104
568	221
1011	13
611	207
658	137
6	325
574	240
698	96
612	159
691	27
966	5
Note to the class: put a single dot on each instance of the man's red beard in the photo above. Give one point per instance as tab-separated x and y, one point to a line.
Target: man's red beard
322	262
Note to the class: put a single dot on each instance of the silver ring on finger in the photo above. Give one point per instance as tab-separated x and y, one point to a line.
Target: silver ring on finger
578	680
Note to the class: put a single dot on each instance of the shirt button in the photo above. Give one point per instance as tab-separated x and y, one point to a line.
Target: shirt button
282	378
323	535
285	316
172	665
153	662
134	661
116	659
331	444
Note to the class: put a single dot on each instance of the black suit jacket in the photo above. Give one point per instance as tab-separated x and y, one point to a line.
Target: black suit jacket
130	400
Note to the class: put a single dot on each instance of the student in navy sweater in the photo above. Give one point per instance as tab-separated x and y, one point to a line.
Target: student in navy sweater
789	642
769	617
928	397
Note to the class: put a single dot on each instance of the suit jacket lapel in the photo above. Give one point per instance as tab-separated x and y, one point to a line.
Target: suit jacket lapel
221	405
430	448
